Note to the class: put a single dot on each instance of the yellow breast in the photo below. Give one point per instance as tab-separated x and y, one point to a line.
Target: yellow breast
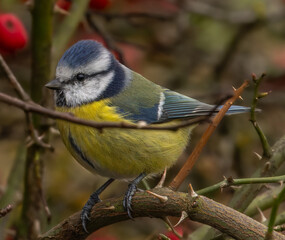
119	153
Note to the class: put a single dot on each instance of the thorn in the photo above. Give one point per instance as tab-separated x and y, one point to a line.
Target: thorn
184	215
234	88
263	94
162	180
240	97
163	237
263	218
193	194
258	156
281	183
48	213
109	208
60	10
267	165
235	187
166	219
160	197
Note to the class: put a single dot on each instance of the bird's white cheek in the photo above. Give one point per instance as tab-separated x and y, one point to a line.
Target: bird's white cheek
91	90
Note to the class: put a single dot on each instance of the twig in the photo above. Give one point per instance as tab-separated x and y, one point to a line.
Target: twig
67	29
273	214
33	107
236	182
105	35
25	97
244	196
36	139
184	171
4	211
262	201
267	151
199	209
233	46
16	85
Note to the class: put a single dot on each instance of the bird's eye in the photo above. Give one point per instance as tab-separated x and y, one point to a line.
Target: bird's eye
80	76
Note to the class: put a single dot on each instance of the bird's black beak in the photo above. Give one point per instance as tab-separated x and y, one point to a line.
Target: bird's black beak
54	84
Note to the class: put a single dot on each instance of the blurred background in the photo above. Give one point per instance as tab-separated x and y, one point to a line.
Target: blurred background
198	48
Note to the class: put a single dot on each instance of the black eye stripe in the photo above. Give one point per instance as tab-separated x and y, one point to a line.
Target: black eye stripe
82	76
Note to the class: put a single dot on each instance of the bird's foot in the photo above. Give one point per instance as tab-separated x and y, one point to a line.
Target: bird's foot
86	210
94	198
132	188
128	199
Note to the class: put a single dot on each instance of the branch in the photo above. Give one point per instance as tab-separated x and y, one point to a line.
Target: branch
25	97
67	28
184	171
16	85
262	201
97	27
236	182
4	211
267	152
273	214
245	195
35	108
198	208
41	40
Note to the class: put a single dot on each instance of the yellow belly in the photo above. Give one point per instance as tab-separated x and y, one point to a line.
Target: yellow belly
119	153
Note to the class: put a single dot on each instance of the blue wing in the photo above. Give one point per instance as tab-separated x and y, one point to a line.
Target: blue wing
178	106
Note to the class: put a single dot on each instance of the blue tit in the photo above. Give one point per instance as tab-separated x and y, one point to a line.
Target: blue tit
91	84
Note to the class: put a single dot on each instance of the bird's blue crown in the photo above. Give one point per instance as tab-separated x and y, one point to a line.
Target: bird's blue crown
81	53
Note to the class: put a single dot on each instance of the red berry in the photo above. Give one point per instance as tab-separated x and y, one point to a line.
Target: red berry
13	34
99	4
64	4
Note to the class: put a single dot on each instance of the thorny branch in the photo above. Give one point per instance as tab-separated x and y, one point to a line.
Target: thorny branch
267	151
198	208
228	182
184	171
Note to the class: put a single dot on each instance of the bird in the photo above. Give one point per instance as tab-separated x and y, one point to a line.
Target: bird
91	84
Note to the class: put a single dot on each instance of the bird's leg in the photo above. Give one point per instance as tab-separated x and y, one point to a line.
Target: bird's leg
130	192
94	198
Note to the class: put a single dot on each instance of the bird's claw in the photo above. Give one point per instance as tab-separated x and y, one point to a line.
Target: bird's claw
86	210
128	199
85	218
